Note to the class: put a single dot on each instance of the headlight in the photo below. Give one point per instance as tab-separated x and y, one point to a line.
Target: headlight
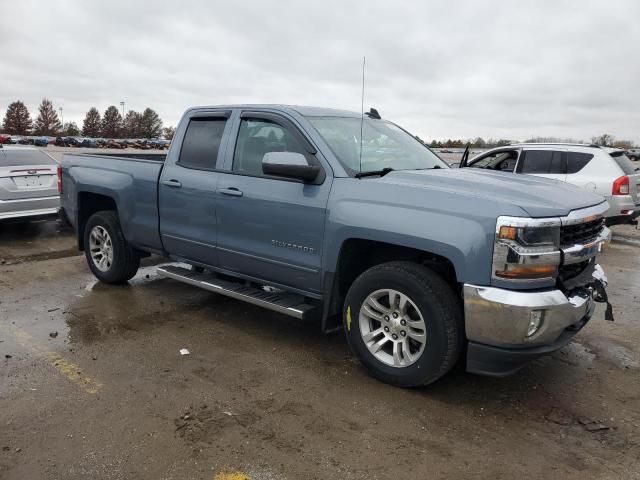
526	249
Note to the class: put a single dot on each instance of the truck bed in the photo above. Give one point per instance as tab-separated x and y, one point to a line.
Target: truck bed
129	179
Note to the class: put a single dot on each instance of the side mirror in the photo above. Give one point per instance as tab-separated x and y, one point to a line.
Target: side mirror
289	165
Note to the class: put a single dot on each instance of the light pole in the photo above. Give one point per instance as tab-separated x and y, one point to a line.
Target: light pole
61	119
122	105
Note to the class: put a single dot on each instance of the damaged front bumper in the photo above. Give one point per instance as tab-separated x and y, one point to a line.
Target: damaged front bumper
500	323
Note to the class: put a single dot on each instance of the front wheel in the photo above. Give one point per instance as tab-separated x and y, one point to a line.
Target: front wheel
404	323
109	255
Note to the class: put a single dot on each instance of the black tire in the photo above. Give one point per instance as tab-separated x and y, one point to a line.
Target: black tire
126	260
441	309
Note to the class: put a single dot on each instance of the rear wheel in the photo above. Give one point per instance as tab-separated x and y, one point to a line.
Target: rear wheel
404	323
109	255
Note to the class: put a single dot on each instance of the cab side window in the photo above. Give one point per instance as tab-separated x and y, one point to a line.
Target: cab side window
257	137
202	143
542	161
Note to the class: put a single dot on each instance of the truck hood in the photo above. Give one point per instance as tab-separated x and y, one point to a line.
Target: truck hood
536	196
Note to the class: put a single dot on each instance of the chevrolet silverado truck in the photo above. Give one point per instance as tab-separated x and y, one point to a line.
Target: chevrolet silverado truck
348	220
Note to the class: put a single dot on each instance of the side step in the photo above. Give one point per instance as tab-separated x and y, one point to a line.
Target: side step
286	303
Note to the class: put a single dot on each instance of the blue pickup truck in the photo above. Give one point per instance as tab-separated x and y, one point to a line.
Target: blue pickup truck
350	220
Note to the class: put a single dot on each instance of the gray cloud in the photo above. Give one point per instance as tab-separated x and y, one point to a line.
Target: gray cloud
439	68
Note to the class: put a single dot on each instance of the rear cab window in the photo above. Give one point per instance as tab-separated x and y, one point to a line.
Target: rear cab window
201	143
22	158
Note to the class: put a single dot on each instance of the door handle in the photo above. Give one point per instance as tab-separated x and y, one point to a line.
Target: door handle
231	191
172	183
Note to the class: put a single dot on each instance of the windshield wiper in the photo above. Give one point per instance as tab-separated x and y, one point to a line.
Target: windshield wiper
374	173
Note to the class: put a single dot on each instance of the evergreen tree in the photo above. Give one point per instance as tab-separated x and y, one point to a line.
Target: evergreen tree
17	120
111	123
151	125
47	122
92	125
70	130
133	124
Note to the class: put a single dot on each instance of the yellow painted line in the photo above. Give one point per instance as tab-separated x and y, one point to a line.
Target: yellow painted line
69	369
231	476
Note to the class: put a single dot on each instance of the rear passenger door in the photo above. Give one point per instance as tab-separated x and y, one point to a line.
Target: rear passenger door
543	163
187	189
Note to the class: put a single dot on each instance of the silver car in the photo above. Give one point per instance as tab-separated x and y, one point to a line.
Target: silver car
606	171
28	183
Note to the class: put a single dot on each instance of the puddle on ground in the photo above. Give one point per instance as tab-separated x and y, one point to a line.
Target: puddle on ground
619	355
576	354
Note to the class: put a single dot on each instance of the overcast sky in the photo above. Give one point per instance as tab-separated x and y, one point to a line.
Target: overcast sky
508	69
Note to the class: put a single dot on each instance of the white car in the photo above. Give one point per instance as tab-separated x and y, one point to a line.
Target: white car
633	154
603	170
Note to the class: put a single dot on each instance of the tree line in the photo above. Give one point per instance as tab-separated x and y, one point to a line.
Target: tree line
145	124
604	140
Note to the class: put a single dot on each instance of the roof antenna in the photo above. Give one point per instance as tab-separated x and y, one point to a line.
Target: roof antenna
364	59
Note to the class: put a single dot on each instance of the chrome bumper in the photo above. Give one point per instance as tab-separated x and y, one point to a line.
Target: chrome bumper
500	317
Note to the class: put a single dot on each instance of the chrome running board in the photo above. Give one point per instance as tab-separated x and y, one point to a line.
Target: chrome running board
287	303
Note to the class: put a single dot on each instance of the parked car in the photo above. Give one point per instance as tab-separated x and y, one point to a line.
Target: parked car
420	265
28	183
41	142
602	170
116	143
633	154
88	143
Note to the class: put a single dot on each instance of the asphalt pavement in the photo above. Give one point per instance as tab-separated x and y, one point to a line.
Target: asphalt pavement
93	385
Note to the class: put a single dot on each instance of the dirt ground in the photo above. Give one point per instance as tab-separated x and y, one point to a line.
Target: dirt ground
92	385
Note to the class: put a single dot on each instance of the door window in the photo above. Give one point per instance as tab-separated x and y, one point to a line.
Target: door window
202	143
257	137
504	161
542	161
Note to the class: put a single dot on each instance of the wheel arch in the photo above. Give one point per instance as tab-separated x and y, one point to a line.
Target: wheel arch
88	204
356	255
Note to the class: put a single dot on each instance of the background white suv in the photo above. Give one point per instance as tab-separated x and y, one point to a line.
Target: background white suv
606	171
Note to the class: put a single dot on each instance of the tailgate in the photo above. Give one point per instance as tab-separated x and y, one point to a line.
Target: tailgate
22	182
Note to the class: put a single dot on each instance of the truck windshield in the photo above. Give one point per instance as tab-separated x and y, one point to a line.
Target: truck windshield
384	145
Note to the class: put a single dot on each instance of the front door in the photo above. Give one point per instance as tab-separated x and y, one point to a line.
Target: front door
271	228
187	187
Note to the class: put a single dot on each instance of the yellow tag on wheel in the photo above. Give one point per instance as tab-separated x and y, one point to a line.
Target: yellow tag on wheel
348	319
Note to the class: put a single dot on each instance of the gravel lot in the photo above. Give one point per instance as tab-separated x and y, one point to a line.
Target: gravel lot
92	385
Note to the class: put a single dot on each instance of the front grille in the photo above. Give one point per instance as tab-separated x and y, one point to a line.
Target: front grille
580	233
567	272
